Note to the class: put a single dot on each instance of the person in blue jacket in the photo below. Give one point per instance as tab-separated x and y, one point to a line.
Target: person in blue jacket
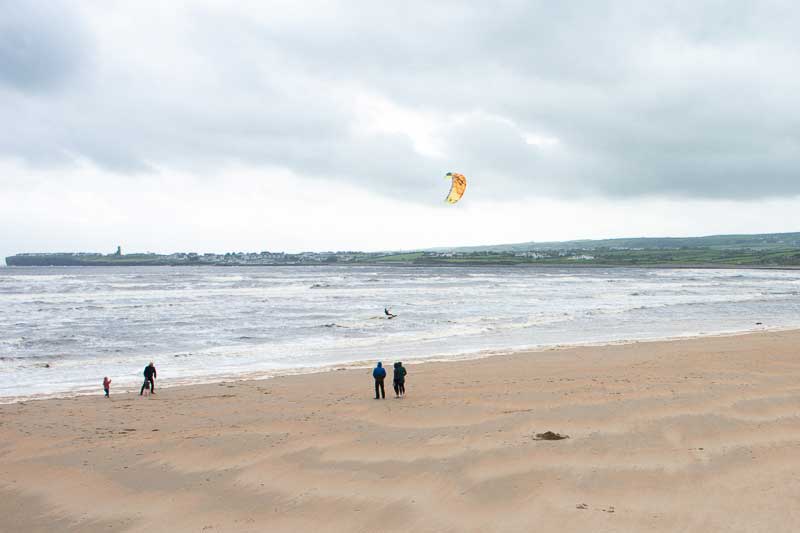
379	374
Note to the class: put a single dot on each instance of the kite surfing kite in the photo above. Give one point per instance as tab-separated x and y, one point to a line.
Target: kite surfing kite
457	188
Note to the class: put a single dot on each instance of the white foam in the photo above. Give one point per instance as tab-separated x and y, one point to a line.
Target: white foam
201	325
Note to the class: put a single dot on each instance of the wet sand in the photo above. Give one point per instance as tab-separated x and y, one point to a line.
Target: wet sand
693	435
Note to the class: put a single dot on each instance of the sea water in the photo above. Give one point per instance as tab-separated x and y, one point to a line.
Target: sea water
62	329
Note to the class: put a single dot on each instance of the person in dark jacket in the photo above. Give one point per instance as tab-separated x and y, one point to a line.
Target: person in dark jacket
399	379
149	377
379	374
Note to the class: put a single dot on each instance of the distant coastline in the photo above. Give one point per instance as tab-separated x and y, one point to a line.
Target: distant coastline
772	250
321	260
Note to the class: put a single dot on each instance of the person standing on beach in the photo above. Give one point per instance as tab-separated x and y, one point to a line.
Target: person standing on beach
106	385
379	374
399	379
149	376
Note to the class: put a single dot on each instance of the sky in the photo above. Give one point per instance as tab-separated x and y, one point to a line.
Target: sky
217	126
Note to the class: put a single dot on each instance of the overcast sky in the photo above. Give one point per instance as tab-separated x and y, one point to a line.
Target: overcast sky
285	125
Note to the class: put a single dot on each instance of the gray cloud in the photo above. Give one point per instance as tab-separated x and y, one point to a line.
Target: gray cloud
42	44
627	98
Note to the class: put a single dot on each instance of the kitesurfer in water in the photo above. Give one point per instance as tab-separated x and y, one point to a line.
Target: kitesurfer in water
388	313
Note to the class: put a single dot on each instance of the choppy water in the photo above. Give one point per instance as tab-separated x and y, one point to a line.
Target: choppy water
205	323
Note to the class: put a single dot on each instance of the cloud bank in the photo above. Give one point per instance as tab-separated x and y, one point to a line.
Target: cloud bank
611	99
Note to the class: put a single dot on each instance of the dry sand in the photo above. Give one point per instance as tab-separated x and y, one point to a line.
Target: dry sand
695	435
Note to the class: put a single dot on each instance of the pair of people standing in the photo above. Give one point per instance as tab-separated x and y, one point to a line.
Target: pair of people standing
399	379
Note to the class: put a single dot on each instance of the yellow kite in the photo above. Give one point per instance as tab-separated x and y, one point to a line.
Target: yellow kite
457	188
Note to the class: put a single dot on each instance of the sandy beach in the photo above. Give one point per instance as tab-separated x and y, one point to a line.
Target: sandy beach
691	435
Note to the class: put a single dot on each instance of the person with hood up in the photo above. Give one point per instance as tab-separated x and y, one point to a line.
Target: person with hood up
399	379
379	374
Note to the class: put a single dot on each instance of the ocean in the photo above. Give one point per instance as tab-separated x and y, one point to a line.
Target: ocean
62	329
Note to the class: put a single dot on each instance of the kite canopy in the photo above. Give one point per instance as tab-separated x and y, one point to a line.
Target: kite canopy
457	188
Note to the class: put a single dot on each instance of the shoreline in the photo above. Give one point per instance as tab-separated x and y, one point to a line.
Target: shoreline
698	434
361	364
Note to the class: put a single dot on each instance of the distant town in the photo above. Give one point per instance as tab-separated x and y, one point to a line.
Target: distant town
775	250
266	258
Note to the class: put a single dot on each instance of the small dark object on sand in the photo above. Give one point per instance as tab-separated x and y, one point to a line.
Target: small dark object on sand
758	323
549	435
